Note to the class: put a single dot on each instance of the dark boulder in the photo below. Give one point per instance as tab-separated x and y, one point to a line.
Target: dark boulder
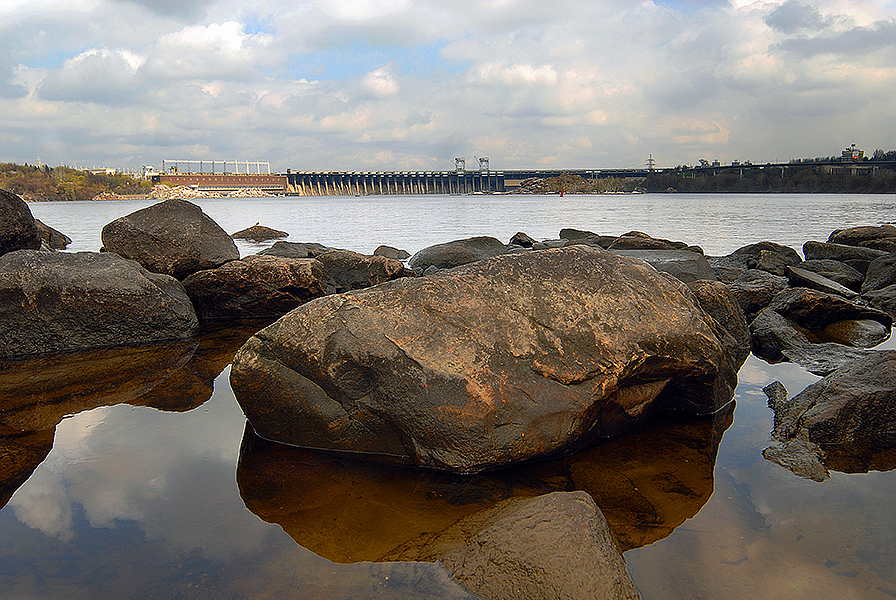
173	237
883	299
18	231
802	278
55	240
681	264
456	253
850	413
766	256
857	236
57	302
390	252
885	244
754	290
881	273
521	239
835	270
497	362
717	299
856	257
348	270
295	250
636	240
256	287
259	233
815	310
568	233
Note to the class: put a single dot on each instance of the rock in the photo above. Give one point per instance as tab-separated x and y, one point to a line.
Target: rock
256	287
856	257
456	253
348	270
684	265
855	236
259	233
717	299
859	333
814	310
765	256
754	290
55	240
521	239
850	413
295	250
803	278
886	244
20	454
835	270
575	234
57	302
497	362
881	273
390	252
883	299
173	237
18	230
636	240
561	243
554	546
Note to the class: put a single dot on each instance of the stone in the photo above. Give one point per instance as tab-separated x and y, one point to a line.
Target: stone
561	243
681	264
553	546
348	270
855	236
456	253
521	239
390	252
835	270
636	240
295	250
513	358
173	237
883	299
54	239
851	412
754	290
717	299
802	278
765	256
259	233
256	287
881	273
18	230
885	244
856	257
575	234
59	302
815	310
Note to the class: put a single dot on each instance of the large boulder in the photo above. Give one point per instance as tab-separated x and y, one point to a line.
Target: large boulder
717	300
295	250
883	299
54	239
857	236
456	253
259	233
765	256
636	240
682	264
354	271
881	273
256	287
856	257
18	230
173	237
57	302
755	289
514	358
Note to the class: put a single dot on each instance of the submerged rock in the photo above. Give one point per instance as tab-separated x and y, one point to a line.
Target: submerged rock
497	362
173	237
58	302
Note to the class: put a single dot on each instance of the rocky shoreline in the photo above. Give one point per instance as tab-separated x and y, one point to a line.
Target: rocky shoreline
476	354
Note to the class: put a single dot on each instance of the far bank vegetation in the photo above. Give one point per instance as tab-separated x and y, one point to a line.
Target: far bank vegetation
45	183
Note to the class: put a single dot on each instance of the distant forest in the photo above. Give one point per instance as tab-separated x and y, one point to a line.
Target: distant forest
38	184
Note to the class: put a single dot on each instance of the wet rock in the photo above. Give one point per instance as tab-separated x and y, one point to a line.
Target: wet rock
456	253
881	273
802	278
348	270
173	237
259	233
554	546
390	252
835	270
256	287
754	290
856	236
54	239
18	230
681	264
295	250
850	413
57	302
856	257
521	239
493	363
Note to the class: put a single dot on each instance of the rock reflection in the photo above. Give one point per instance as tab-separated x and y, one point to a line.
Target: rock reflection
38	393
646	483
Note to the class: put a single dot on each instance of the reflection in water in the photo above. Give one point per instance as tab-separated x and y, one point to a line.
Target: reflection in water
38	393
646	483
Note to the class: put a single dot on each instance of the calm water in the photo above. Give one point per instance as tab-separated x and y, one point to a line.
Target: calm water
122	475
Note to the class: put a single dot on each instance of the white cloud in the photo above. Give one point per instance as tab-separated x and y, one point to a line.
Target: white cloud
380	82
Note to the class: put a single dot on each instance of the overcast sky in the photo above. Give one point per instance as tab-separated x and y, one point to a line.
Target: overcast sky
395	84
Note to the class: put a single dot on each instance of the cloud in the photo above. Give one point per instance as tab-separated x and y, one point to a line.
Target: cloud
380	82
97	75
794	16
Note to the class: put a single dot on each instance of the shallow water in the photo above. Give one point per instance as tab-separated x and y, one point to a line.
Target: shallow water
138	489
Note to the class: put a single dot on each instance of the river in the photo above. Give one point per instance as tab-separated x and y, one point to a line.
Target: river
142	492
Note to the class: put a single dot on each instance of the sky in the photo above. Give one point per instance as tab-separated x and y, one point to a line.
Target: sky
402	85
